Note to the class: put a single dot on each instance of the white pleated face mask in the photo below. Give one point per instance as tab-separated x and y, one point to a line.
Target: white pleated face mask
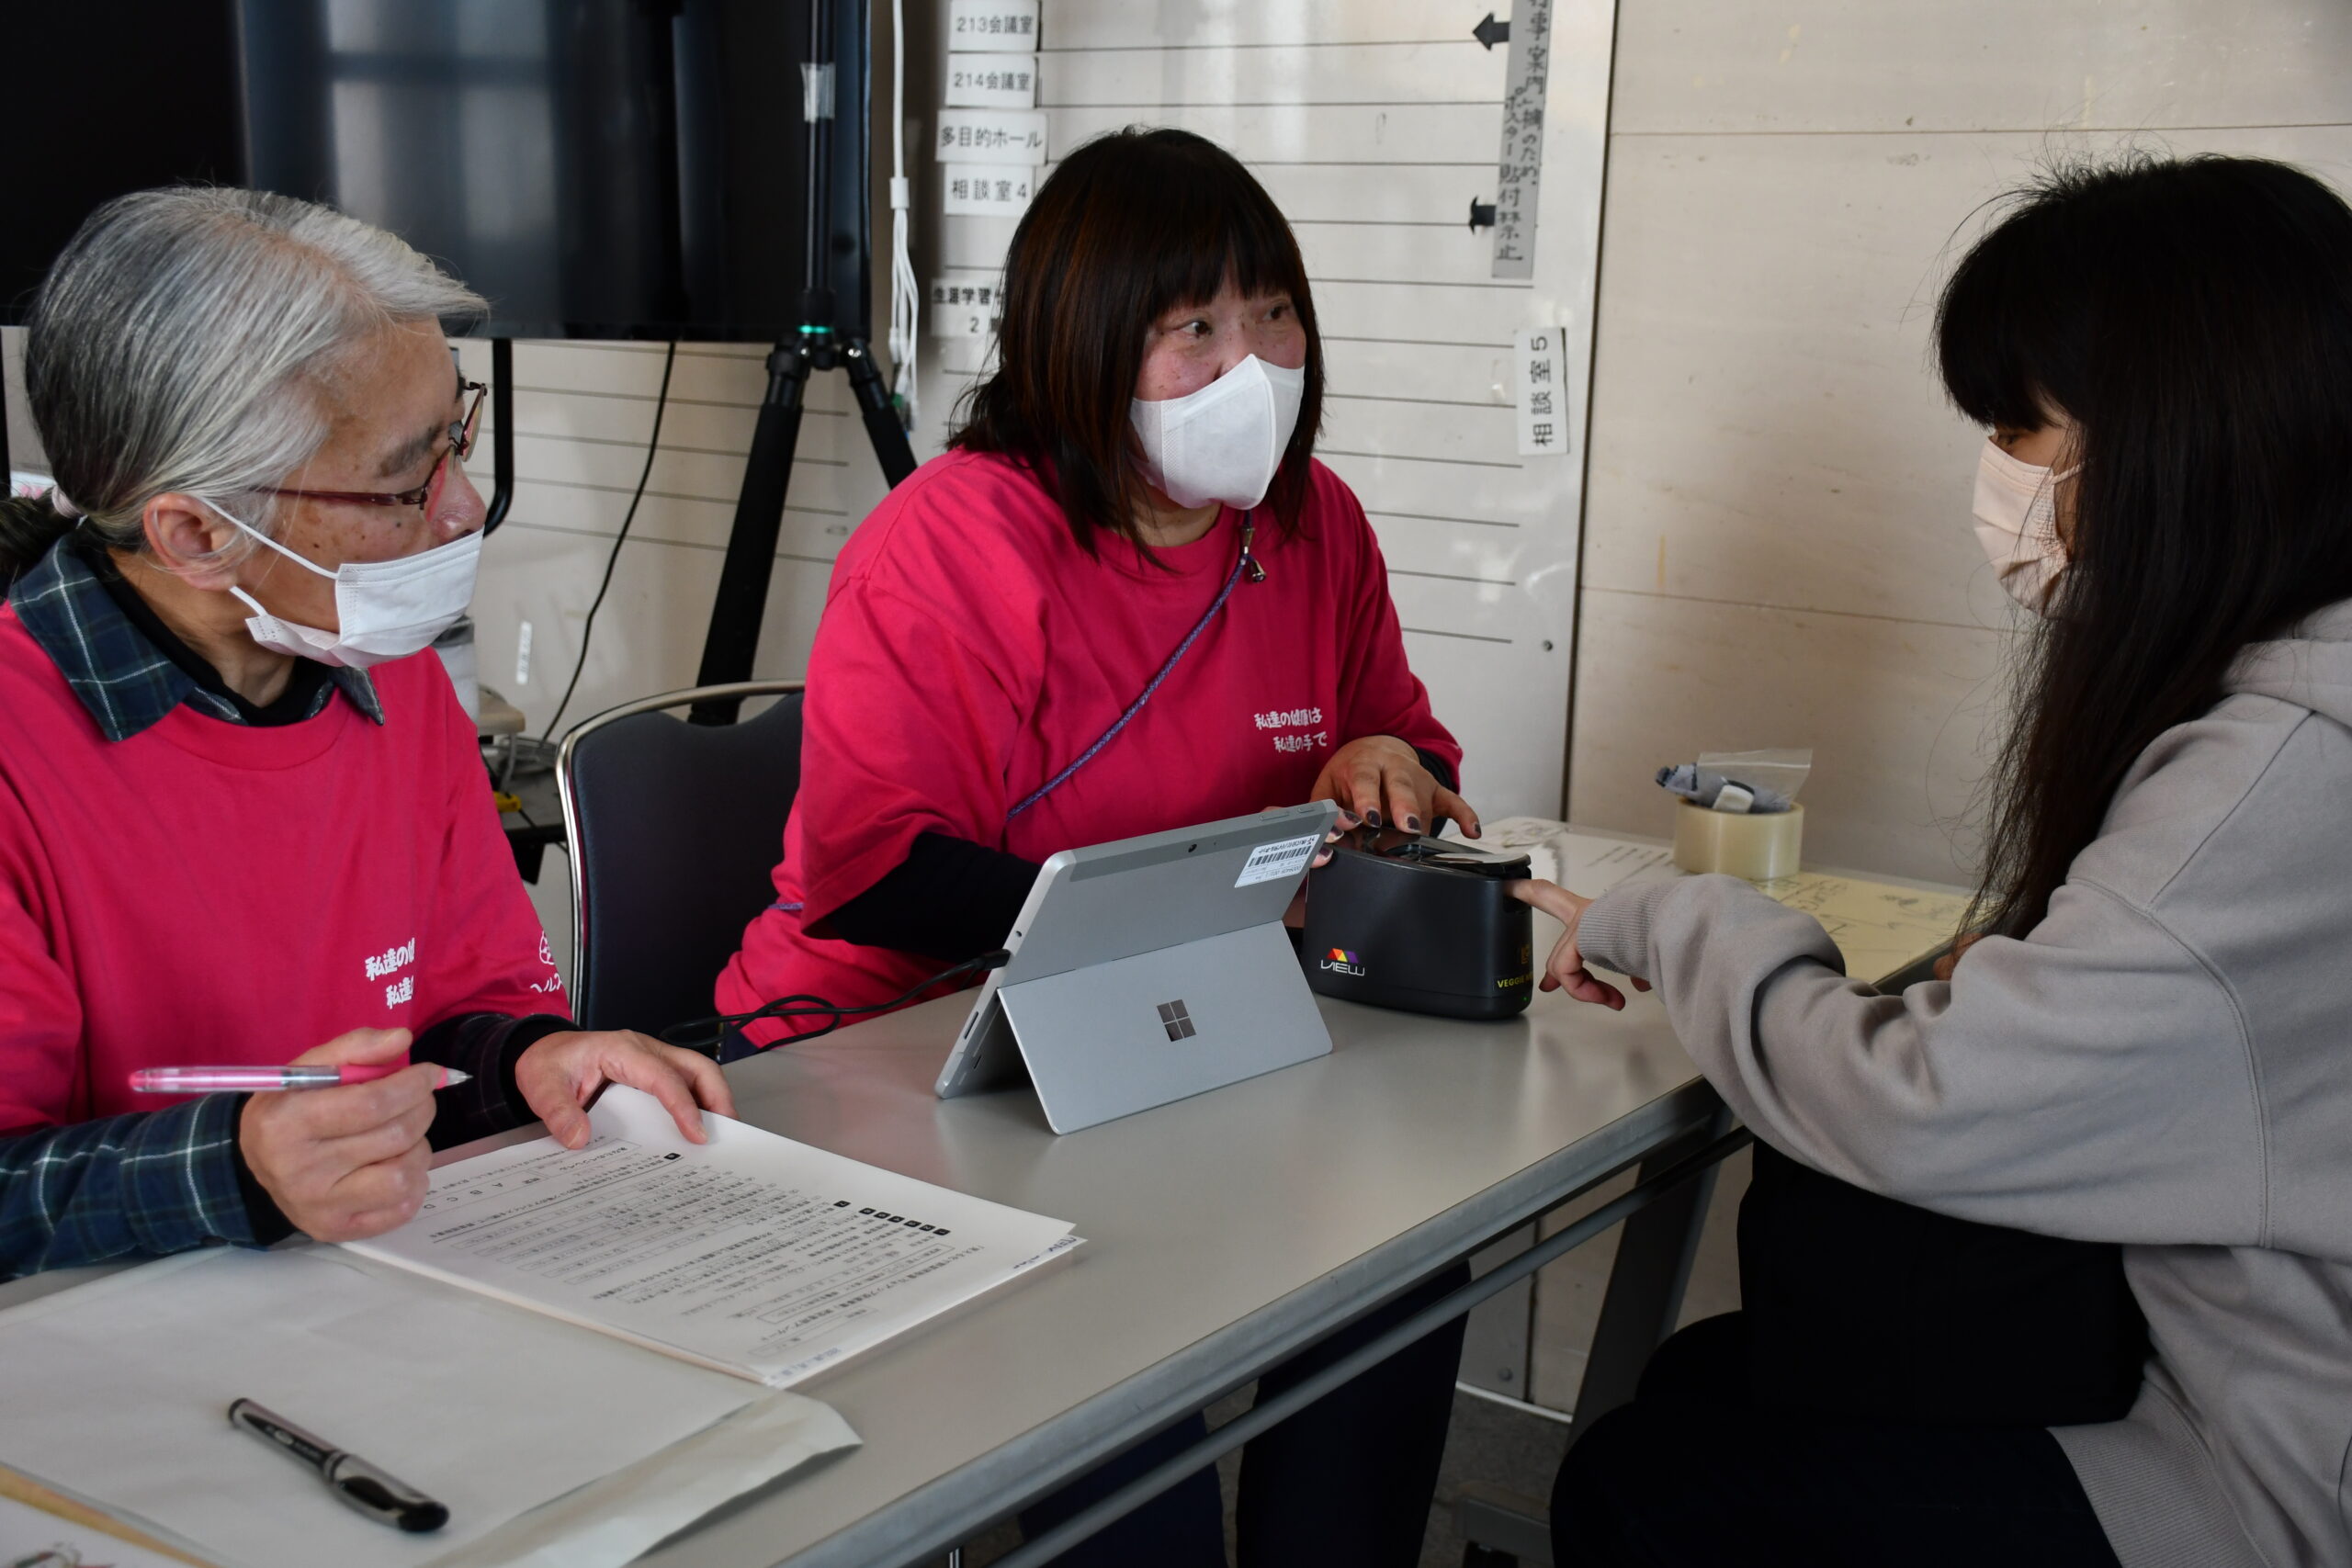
385	609
2017	521
1225	441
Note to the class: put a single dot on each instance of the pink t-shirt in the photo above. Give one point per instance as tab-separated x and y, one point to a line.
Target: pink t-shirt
204	892
970	650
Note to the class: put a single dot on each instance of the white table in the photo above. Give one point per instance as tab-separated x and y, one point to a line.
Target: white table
1224	1233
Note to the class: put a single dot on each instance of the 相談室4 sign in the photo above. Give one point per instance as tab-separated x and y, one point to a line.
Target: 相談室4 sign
989	190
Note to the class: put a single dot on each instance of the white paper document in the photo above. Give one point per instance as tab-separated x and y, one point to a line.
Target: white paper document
1880	928
540	1438
1586	863
752	1253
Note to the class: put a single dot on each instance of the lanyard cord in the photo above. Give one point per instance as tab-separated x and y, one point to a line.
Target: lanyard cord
1257	574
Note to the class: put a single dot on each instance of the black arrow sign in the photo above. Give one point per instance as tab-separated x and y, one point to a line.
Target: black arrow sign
1492	32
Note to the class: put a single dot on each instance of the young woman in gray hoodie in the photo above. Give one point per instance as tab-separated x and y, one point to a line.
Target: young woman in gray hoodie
2150	1041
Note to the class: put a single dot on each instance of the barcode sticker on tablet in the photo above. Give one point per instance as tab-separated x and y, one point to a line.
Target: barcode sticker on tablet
1270	863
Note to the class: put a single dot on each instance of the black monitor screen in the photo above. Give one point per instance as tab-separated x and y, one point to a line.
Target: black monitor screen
597	168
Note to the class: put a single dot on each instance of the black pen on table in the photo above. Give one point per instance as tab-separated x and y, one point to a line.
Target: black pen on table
383	1498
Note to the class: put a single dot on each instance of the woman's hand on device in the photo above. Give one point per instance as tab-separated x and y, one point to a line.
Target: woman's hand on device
1565	970
561	1074
1379	782
348	1162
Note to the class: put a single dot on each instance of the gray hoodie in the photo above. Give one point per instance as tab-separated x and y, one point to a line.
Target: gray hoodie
2165	1061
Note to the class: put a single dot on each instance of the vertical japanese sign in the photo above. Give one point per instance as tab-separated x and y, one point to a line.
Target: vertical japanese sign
1541	359
1522	168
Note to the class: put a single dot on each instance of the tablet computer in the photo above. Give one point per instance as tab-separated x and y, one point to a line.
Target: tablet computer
1149	969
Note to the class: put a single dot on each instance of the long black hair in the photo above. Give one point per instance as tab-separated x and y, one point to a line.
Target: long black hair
2193	317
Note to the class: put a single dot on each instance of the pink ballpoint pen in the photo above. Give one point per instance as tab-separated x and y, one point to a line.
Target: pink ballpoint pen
216	1080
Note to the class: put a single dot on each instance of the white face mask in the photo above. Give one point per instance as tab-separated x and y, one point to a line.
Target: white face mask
2017	521
1224	442
387	609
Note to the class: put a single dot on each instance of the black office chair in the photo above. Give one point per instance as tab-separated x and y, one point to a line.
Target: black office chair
674	829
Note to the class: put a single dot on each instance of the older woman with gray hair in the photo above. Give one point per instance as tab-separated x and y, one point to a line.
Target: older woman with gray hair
243	820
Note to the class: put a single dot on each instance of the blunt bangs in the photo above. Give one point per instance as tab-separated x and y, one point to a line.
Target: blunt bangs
1217	225
2010	325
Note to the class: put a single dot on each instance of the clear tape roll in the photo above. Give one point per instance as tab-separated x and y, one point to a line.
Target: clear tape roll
1759	848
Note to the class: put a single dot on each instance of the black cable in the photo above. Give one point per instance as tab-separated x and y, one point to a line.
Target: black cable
705	1034
653	446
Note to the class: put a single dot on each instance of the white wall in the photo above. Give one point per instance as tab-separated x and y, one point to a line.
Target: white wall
583	414
1777	542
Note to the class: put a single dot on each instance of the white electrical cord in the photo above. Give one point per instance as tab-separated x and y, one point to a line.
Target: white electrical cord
906	294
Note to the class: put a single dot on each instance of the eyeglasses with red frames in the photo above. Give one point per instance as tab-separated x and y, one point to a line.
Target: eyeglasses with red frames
426	495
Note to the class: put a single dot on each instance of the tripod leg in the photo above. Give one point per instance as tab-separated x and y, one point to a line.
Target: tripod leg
742	600
501	432
891	448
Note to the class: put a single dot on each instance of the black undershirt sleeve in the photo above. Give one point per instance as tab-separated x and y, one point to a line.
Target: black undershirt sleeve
954	899
1440	769
950	899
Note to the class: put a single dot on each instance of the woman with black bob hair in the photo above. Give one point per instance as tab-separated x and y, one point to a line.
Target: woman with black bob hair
1127	600
2144	1043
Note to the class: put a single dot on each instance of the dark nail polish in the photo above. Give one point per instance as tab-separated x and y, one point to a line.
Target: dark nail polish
1372	817
1412	824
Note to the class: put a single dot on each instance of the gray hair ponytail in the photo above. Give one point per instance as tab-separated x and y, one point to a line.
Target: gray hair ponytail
179	343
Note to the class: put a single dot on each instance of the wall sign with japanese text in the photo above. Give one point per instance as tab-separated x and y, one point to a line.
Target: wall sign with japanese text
1003	26
1541	360
991	82
966	302
989	190
990	136
1520	171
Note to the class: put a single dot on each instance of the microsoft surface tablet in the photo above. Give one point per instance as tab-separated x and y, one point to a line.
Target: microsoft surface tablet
1148	969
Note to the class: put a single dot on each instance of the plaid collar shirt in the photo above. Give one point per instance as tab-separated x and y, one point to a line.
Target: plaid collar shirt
159	1181
121	677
